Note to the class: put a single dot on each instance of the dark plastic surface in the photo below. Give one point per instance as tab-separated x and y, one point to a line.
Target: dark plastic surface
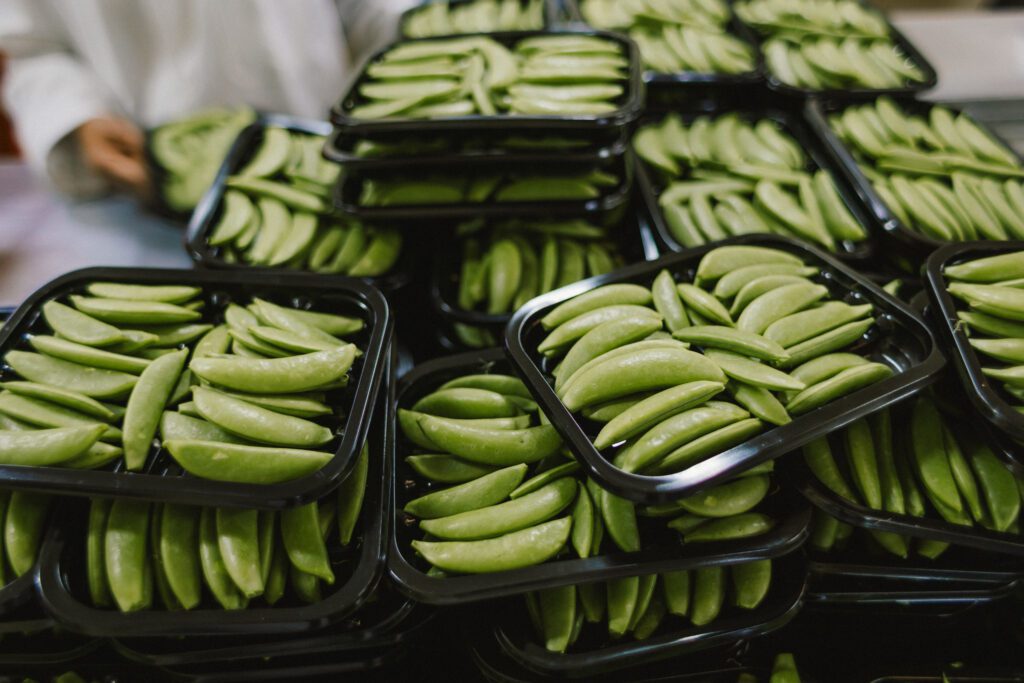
602	209
633	239
956	565
662	551
628	111
985	394
911	244
818	157
518	640
207	212
162	478
901	339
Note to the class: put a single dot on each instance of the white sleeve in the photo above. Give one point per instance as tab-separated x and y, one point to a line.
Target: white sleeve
48	94
370	24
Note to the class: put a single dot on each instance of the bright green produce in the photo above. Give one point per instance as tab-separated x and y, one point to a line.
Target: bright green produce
189	151
275	212
478	16
729	176
734	361
676	37
939	173
557	74
839	44
645	605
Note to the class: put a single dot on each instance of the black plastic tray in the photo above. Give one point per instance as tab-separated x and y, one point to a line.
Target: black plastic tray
817	156
163	479
633	237
931	78
207	212
62	581
458	126
489	152
983	393
910	595
910	243
901	339
517	639
551	15
667	554
378	665
602	209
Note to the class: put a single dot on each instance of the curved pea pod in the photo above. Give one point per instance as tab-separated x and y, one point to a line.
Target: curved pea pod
95	561
238	542
466	403
807	324
705	305
146	405
622	600
215	574
651	342
410	424
544	478
163	587
823	530
708	595
735	281
62	397
646	413
651	368
24	522
446	469
41	413
502	384
723	260
892	492
47	447
823	367
619	517
593	601
132	311
784	669
731	498
760	402
504	274
79	327
86	355
717	441
603	338
727	528
518	549
258	424
583	523
172	294
674	432
648	584
667	302
778	303
571	330
732	339
837	386
1007	350
990	269
860	452
300	530
492	446
178	426
965	482
930	457
350	496
676	588
245	464
93	382
126	557
750	582
557	616
179	552
277	375
488	489
1005	302
607	295
998	486
497	520
752	372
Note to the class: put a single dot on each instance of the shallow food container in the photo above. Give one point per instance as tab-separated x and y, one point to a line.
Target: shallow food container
629	107
912	245
662	552
162	478
900	339
754	109
208	212
593	654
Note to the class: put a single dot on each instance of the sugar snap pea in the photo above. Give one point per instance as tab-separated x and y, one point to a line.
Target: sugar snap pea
283	375
607	295
47	446
622	601
258	424
146	405
708	594
727	528
79	327
93	382
512	551
731	498
478	493
496	520
930	456
304	543
126	556
619	517
660	406
245	464
95	559
544	478
713	442
178	541
238	542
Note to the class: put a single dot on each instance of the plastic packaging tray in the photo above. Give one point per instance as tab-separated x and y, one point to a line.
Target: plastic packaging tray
63	589
627	112
791	122
486	151
162	478
517	639
901	339
910	594
633	238
931	78
603	209
911	244
207	212
379	665
551	13
984	394
663	551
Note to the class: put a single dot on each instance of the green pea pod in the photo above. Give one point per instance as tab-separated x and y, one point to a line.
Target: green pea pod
752	372
280	375
445	469
930	457
603	338
717	441
622	599
593	601
163	587
68	399
723	260
350	496
735	281
965	482
860	452
619	516
784	669
892	492
778	303
466	403
583	523
86	355
989	269
727	528
93	382
607	295
803	325
998	486
133	312
841	384
557	616
823	530
708	594
731	498
541	480
146	405
518	549
502	384
178	541
654	409
79	327
300	529
126	556
667	302
45	414
676	587
760	402
570	331
826	343
238	542
258	424
674	432
751	581
704	304
245	464
95	561
734	340
490	446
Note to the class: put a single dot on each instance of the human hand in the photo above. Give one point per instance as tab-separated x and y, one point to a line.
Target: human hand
113	147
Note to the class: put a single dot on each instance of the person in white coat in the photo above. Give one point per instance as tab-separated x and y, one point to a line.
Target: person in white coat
84	77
